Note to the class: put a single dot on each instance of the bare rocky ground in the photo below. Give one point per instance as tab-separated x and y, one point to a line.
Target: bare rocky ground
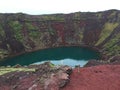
45	77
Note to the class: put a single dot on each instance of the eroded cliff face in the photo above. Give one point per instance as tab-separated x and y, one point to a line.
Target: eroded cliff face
22	33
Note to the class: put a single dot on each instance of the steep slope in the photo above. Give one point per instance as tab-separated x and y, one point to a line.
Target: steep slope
20	33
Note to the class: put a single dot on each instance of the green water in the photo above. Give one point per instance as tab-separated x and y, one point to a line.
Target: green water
63	55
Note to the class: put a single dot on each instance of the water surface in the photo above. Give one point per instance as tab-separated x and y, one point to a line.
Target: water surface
61	56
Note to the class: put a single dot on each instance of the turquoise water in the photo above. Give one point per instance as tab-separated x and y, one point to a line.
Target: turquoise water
62	55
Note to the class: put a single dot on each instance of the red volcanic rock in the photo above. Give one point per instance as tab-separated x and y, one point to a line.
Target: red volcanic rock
103	77
57	80
52	83
45	77
59	27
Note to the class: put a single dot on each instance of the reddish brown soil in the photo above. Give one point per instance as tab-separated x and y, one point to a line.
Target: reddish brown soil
104	77
101	77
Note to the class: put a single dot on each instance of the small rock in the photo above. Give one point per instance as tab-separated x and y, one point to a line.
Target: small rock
52	83
33	87
63	79
17	66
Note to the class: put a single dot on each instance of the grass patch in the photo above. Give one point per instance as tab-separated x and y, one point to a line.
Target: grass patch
99	15
111	48
112	14
5	70
17	29
115	50
107	30
52	65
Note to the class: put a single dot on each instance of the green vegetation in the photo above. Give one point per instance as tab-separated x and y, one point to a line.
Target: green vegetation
99	15
115	50
5	70
77	15
30	26
3	53
111	47
51	64
107	30
51	31
17	29
59	17
2	33
112	14
81	35
33	30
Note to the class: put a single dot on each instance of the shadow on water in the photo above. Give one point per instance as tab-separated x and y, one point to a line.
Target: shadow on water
62	55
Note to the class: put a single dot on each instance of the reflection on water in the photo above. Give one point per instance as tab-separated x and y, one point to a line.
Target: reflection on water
70	62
